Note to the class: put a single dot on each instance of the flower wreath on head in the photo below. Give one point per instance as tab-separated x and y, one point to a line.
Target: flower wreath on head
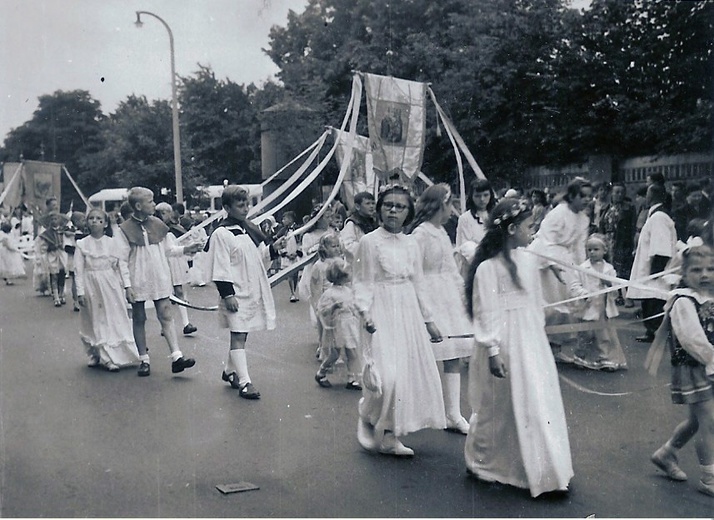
515	210
386	187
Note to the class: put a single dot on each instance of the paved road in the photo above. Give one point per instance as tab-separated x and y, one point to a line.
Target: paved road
77	442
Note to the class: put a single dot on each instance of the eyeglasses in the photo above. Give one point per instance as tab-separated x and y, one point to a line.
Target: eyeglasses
395	206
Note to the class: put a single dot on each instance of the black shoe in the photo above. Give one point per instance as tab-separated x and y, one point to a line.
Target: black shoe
353	385
144	369
189	329
323	381
231	378
647	338
248	391
181	364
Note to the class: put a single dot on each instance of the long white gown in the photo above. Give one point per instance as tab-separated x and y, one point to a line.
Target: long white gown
444	285
105	328
388	284
518	435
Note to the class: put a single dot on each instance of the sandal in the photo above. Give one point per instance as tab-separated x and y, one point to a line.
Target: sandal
248	391
323	381
231	378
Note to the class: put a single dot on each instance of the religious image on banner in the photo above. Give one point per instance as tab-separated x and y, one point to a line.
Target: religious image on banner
38	181
359	175
396	115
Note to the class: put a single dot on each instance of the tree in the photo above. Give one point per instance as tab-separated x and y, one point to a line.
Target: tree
478	56
526	82
635	78
65	127
138	148
218	121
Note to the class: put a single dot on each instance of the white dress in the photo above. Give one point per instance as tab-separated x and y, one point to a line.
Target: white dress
388	285
444	285
518	435
105	328
11	265
470	231
235	258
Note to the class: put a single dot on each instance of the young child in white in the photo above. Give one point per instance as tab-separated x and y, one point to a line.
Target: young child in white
328	248
143	245
517	434
237	269
598	349
53	255
337	311
690	315
177	264
289	250
103	284
76	232
11	265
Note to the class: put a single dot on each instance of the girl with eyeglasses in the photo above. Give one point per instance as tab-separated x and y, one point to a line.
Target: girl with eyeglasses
403	392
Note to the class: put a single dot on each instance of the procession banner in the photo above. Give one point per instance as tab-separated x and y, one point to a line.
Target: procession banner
38	181
359	175
396	114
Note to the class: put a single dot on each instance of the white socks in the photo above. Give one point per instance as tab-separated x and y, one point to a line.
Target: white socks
176	355
184	315
241	364
451	382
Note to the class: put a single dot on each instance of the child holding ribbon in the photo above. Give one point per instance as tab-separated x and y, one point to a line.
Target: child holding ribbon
598	348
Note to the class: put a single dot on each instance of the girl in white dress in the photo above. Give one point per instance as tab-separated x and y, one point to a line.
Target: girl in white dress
472	223
11	265
518	435
445	288
102	280
599	348
237	269
329	247
391	297
338	314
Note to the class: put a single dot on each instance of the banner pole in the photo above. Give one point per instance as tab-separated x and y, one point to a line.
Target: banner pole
9	184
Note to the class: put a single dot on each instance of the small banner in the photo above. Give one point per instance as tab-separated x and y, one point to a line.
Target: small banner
38	182
396	113
360	174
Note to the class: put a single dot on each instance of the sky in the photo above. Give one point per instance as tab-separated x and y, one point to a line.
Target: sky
93	45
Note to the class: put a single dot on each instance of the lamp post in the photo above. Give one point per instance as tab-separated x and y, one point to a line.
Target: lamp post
174	104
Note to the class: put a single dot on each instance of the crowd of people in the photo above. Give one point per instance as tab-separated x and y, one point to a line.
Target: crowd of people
407	293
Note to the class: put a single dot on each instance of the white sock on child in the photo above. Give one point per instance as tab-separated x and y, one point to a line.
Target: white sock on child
144	358
176	355
452	395
241	364
184	315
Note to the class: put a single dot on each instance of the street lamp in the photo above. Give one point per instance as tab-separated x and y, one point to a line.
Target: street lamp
174	104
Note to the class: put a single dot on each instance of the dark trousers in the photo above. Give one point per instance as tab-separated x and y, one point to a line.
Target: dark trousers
651	307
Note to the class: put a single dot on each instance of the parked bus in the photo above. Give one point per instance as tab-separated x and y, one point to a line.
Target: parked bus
109	199
211	196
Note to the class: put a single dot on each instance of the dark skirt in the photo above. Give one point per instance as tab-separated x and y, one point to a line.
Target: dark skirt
690	384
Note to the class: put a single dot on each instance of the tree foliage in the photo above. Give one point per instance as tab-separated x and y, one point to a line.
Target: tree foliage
526	82
219	123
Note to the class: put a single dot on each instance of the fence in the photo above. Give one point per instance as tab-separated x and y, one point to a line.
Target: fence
689	167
